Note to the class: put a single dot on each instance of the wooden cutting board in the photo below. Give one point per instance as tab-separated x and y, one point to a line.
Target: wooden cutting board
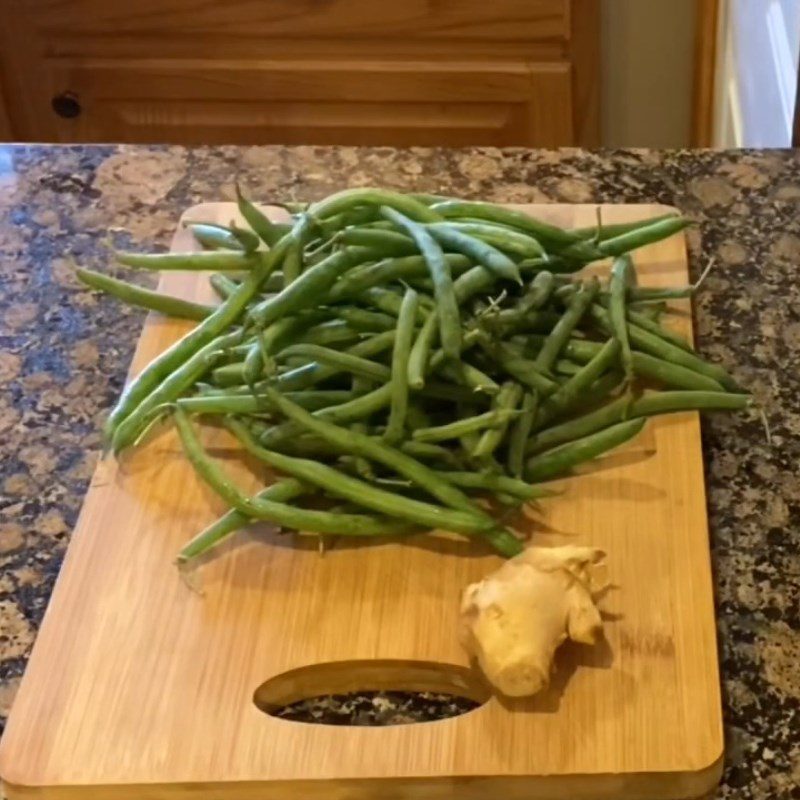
140	688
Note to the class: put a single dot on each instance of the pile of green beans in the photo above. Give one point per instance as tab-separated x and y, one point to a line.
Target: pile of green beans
409	362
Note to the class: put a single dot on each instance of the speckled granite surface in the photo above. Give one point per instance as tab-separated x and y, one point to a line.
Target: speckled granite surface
64	353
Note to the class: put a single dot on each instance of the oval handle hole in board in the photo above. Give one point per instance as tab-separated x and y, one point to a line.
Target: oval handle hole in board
372	692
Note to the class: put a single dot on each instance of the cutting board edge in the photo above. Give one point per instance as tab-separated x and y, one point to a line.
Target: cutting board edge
689	785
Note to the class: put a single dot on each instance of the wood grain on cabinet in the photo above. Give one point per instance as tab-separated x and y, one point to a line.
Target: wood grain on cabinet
453	72
705	64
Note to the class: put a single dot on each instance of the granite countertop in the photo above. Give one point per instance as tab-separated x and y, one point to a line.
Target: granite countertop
64	353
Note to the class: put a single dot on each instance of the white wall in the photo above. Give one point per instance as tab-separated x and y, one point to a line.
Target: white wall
648	70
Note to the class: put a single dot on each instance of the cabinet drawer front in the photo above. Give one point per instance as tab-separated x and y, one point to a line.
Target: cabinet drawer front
316	103
499	20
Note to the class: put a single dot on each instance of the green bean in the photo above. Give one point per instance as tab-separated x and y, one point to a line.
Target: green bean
576	308
130	428
618	229
507	400
468	375
430	199
428	450
649	405
523	370
160	368
656	346
399	374
622	277
222	285
254	363
293	264
368	321
643	321
279	513
332	332
390	243
447	312
312	373
552	463
505	239
221	261
254	404
520	434
452	430
542	231
390	301
673	375
376	450
420	352
306	290
219	530
648	293
144	298
288	329
358	215
365	494
497	483
388	270
647	234
213	236
347	199
567	395
478	250
538	293
269	232
336	358
512	320
353	410
362	465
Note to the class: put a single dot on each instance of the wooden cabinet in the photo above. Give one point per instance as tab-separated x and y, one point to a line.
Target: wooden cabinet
450	72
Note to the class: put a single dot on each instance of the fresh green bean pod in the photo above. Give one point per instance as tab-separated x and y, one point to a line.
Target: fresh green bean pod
216	261
376	450
622	277
560	460
160	368
389	270
520	433
507	399
389	243
651	404
279	513
365	494
576	308
542	231
335	358
447	312
308	289
222	285
481	251
506	239
460	427
219	530
399	375
350	198
144	298
269	232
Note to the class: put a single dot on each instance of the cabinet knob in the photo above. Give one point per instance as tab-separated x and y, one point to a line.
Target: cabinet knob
66	105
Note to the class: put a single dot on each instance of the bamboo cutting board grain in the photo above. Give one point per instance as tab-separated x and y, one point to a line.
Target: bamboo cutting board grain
141	688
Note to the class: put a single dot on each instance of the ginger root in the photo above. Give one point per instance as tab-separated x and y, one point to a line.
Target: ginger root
514	619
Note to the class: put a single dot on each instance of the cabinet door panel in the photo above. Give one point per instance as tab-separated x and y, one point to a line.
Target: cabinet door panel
314	102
